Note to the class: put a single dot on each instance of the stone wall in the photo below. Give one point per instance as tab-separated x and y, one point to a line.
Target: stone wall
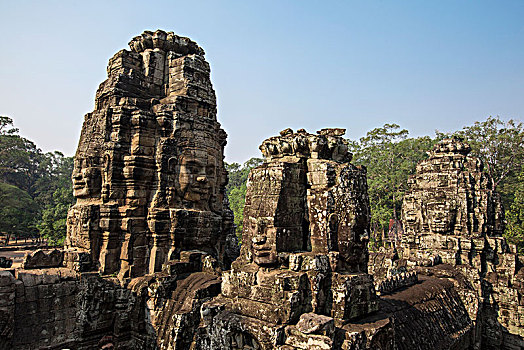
45	310
55	308
7	308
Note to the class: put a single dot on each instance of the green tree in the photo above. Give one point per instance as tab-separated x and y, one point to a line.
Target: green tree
515	216
53	224
45	178
500	145
236	189
19	157
56	170
54	194
17	212
390	157
6	126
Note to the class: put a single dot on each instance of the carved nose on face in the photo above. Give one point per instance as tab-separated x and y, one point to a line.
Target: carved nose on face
201	178
258	239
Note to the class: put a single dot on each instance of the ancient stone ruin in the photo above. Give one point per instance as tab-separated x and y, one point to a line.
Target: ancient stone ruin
151	229
151	260
302	271
450	201
453	223
149	173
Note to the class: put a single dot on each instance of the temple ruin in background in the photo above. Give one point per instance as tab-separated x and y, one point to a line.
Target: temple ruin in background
453	222
454	218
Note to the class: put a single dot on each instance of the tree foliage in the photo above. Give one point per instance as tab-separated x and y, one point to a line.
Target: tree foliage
19	157
39	182
390	157
236	189
53	224
515	216
499	144
54	194
17	212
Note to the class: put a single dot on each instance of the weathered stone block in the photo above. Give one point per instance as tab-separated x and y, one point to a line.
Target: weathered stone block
300	340
311	323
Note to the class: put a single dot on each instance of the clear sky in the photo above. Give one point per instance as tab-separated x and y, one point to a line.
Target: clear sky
425	65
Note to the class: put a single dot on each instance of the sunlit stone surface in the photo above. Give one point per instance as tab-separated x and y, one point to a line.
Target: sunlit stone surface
149	173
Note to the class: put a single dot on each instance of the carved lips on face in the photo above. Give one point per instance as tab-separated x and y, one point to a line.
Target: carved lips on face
263	241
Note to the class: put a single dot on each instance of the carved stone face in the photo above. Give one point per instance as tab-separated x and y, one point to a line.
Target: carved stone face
410	211
441	216
263	240
87	180
196	178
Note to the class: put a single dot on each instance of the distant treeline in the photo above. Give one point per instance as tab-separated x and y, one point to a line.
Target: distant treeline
391	156
36	190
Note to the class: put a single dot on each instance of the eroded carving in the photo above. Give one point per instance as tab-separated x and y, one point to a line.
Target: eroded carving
454	221
304	257
149	174
448	197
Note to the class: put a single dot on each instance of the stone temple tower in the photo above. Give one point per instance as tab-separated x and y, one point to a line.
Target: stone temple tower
149	174
301	277
450	203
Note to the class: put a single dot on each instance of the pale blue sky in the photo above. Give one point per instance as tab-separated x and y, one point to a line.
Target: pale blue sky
425	65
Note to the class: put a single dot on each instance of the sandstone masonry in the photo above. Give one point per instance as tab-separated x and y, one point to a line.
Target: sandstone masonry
149	173
453	223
